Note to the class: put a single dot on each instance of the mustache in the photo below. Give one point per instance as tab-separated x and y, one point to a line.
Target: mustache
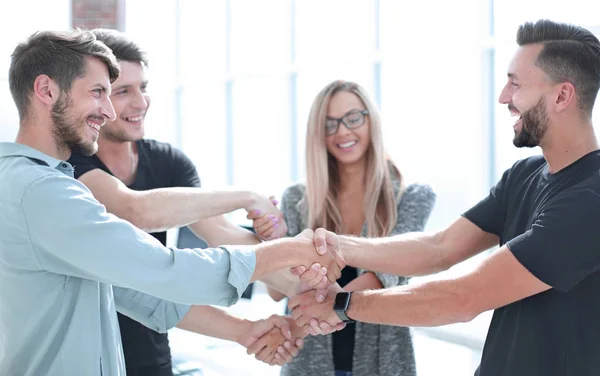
511	107
99	118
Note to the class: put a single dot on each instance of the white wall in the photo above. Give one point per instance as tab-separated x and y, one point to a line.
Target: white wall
19	19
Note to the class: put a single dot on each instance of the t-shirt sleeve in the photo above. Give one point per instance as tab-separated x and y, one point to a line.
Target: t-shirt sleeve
82	164
184	170
563	245
490	213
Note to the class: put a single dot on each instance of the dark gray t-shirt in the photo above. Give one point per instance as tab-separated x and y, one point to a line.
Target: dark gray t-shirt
551	223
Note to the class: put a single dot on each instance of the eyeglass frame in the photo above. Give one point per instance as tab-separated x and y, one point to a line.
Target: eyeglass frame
364	112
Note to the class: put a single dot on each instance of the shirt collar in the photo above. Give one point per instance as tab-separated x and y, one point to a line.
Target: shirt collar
12	149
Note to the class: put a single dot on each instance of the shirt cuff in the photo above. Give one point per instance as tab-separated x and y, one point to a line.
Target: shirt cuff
242	262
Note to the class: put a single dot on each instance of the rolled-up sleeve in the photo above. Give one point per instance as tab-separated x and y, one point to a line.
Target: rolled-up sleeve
157	314
72	234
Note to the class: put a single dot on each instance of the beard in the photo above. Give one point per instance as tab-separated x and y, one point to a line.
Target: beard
534	126
67	128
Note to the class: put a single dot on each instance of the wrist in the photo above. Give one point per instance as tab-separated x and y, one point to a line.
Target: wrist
251	199
242	331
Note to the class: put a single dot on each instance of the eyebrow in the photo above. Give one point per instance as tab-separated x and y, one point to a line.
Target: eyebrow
347	113
124	86
512	75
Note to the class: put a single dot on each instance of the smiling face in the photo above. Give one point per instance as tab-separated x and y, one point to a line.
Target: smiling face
348	146
130	101
78	116
525	93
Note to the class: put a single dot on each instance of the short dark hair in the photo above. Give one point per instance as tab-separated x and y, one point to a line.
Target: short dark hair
570	54
122	47
61	55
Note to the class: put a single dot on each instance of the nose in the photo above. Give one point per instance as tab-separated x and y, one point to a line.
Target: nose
108	111
141	101
505	97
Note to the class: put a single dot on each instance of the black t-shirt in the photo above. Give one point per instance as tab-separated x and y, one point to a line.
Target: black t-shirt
343	340
159	166
551	223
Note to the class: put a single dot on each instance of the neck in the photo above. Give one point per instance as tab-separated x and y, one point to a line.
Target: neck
351	176
568	144
39	136
118	156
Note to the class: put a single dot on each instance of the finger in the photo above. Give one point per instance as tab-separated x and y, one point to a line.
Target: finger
273	200
296	314
264	354
299	343
291	349
264	226
302	320
257	346
319	240
314	324
311	273
298	270
324	284
267	234
318	279
253	214
282	324
285	354
278	360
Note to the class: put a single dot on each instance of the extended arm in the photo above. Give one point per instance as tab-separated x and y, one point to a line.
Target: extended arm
163	208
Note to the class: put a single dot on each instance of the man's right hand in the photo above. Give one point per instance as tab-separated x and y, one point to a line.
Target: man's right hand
268	224
331	263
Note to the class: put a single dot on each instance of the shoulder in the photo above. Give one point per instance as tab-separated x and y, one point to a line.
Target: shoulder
159	148
294	193
18	174
525	167
418	193
83	163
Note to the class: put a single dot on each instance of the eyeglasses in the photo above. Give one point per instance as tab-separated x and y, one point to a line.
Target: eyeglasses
351	120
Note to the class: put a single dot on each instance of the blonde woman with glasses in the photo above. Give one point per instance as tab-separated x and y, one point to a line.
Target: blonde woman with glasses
352	188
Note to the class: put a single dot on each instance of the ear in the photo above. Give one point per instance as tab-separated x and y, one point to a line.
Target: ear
565	96
45	89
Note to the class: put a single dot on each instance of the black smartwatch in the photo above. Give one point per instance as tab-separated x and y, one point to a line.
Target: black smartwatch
341	305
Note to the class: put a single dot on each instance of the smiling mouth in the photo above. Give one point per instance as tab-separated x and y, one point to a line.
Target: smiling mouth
347	144
133	119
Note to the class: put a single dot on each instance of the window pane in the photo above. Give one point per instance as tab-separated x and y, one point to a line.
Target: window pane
202	38
260	40
435	127
427	23
261	135
204	131
334	30
507	19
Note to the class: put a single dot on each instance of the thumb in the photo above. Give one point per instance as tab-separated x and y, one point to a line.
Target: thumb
319	240
320	295
282	324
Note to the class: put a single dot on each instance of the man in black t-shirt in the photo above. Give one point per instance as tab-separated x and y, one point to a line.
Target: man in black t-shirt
543	282
156	187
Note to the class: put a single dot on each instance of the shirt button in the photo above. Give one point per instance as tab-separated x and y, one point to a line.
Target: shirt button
63	165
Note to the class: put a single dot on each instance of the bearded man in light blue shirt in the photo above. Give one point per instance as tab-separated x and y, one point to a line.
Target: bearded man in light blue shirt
66	265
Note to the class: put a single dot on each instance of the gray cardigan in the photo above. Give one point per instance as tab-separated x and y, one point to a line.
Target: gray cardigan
379	350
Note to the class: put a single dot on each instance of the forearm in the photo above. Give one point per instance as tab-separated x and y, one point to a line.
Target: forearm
275	294
220	231
366	281
410	254
214	322
275	255
429	304
165	208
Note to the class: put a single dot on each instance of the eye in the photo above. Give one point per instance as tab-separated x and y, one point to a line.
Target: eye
144	88
123	91
97	92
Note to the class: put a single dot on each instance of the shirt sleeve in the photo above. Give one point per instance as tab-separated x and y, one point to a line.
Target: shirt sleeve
72	234
561	248
490	213
414	208
184	170
157	314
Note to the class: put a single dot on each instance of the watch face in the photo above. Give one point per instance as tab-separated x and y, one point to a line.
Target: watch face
341	301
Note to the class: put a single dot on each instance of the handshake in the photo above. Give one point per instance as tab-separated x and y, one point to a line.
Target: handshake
312	290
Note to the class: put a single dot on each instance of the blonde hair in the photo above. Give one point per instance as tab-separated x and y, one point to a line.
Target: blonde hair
322	179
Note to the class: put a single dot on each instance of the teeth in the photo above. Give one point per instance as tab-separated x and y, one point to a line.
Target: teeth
95	126
347	144
137	118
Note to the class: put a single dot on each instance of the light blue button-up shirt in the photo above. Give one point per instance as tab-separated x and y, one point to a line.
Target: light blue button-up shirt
62	257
